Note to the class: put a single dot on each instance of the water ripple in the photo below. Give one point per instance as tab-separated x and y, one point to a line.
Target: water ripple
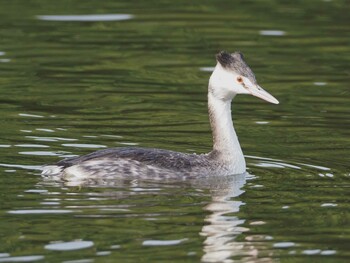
207	69
50	139
85	18
67	246
32	146
284	244
272	33
277	163
39	211
40	153
30	115
84	145
22	259
21	166
163	242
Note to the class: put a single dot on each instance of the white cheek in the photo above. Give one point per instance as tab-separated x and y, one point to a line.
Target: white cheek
243	90
223	83
224	93
223	86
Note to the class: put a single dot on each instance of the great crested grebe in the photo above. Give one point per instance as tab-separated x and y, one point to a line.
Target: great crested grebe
231	76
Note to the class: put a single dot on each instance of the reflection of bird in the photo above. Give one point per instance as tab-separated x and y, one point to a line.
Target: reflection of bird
222	224
231	76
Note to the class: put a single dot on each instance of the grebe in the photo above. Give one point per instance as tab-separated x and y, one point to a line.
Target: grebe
231	76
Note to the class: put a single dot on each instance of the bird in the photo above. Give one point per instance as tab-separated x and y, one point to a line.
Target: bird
231	76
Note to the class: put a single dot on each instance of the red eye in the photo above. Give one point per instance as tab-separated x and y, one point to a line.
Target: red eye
239	79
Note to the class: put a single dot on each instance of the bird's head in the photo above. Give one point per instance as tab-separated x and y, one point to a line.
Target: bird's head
233	76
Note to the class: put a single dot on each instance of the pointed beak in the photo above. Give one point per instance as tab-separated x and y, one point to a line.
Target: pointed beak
259	92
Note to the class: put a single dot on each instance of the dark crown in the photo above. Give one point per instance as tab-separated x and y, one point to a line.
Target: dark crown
235	62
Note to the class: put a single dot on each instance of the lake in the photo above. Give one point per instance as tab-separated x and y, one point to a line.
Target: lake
79	76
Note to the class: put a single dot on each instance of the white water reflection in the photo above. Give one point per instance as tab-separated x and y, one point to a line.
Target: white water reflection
103	253
22	258
45	130
49	139
30	115
67	246
163	242
22	166
272	33
40	153
40	211
329	205
84	145
32	146
262	122
207	69
277	163
86	18
284	244
328	252
320	83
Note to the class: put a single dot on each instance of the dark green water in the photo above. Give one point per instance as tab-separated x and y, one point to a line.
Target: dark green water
72	87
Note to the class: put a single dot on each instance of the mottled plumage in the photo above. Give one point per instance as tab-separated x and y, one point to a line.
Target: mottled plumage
154	157
141	162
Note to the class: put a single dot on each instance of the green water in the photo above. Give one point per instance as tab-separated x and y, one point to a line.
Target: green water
72	87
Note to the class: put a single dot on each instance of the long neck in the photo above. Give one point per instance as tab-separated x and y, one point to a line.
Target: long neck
225	141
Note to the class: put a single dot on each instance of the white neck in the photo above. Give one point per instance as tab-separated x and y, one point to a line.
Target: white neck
225	142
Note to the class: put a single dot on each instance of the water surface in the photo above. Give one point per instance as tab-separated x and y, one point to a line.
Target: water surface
85	75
